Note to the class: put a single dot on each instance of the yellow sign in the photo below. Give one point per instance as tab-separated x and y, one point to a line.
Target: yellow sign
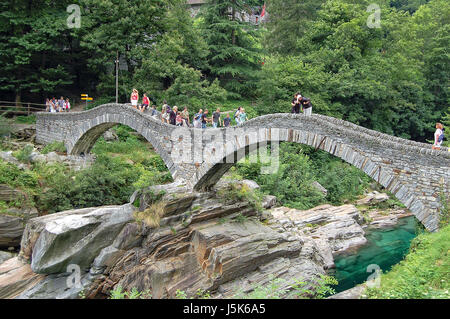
87	99
85	95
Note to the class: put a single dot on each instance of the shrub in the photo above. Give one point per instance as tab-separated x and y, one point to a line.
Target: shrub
24	155
5	127
118	293
278	288
22	119
237	192
54	147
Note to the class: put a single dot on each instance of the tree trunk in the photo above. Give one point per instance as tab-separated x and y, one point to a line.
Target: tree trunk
18	99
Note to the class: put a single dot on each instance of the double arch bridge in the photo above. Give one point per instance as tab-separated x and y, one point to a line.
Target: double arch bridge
412	171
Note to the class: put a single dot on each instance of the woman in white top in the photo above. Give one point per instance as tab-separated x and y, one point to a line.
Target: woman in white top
437	134
134	98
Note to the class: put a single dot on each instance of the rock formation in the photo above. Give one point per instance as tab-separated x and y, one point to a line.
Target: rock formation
218	241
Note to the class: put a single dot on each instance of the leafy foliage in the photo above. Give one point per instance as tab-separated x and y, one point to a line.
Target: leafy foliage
299	167
54	147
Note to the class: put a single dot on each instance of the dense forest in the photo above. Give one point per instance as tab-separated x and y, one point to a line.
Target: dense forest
392	76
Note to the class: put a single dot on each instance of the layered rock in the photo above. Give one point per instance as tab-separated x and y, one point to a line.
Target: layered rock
204	241
12	225
335	230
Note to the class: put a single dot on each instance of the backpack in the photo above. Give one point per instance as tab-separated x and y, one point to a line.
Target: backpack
441	137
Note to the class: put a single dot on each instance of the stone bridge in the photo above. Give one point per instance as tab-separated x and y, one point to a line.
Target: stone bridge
412	171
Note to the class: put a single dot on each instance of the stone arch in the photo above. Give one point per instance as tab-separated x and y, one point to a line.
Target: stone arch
368	151
83	129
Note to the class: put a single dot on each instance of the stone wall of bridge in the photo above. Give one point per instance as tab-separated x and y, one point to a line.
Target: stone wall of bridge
412	171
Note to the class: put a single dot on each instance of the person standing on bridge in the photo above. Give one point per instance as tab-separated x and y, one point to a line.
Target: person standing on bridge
61	104
438	136
185	117
173	116
243	116
307	106
67	105
47	105
296	104
134	98
216	121
198	119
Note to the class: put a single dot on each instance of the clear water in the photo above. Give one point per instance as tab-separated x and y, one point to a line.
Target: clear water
385	248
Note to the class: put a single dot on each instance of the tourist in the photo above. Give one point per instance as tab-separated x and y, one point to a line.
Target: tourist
178	118
145	103
438	136
307	106
53	106
47	105
243	116
227	121
205	119
61	103
296	103
198	119
134	98
173	116
237	115
216	121
67	105
154	112
185	117
165	113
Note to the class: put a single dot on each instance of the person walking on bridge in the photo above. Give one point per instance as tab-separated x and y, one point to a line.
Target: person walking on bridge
438	136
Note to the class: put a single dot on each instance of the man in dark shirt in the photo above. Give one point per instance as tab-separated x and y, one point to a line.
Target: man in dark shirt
227	121
307	106
216	121
172	117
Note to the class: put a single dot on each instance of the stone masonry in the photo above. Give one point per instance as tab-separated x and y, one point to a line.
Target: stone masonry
412	171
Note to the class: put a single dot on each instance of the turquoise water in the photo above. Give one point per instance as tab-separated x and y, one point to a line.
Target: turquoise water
385	248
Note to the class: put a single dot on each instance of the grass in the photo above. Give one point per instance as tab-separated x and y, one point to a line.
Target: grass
235	193
58	147
152	215
423	274
22	119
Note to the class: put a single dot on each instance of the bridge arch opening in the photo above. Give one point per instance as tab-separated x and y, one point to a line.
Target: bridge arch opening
123	141
391	182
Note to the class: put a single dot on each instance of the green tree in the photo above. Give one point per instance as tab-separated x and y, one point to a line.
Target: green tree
32	37
288	23
234	54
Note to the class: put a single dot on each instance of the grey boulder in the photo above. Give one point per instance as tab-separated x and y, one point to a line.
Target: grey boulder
72	238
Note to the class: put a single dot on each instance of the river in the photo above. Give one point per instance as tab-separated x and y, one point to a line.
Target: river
385	248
